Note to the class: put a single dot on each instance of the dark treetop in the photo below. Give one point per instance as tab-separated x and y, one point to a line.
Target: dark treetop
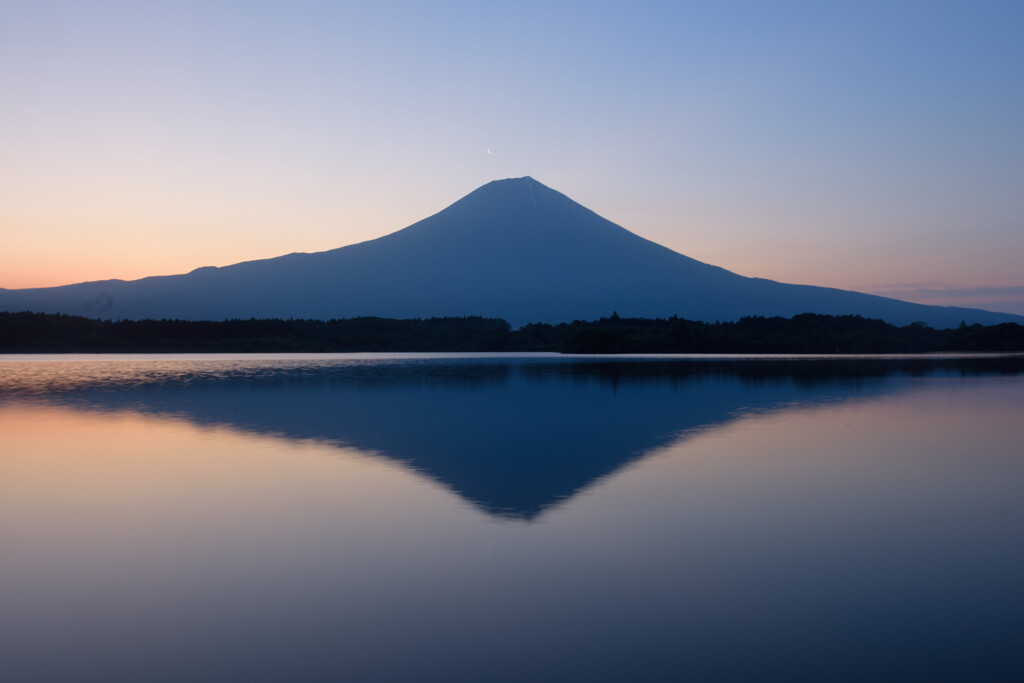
806	333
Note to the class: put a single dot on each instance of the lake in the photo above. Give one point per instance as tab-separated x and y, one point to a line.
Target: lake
485	517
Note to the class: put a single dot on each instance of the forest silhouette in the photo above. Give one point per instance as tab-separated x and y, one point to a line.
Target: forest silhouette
807	333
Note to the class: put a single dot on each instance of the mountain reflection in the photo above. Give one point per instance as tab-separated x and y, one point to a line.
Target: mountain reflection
515	436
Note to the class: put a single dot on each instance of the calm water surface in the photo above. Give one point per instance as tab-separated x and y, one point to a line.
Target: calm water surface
482	517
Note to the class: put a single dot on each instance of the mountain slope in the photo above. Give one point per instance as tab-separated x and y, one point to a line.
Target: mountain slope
513	248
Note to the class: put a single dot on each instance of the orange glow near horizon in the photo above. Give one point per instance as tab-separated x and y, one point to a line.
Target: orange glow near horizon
92	251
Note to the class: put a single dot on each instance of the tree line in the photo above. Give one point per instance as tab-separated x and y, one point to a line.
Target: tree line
805	333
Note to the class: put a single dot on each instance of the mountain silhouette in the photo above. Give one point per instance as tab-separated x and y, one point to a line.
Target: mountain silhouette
512	249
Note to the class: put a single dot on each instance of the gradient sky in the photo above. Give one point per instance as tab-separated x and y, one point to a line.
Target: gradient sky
876	146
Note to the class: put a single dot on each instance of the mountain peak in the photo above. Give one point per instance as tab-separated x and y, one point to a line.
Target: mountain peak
523	192
520	209
523	179
511	184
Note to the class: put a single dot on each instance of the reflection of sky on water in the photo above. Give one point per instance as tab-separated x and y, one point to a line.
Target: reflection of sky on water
513	435
787	527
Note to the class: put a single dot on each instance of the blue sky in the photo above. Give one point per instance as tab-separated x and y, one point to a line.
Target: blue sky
867	145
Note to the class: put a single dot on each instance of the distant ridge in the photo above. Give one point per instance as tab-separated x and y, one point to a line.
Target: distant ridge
512	249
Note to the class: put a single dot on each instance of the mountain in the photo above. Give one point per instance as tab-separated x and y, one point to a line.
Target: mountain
512	249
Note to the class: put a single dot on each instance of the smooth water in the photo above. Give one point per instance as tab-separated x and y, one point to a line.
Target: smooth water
481	517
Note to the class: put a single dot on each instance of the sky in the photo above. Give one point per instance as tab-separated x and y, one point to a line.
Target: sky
876	146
